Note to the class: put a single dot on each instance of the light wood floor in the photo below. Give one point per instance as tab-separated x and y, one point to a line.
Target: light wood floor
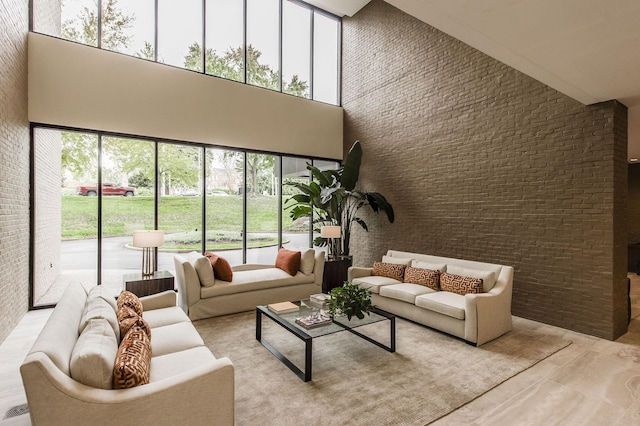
591	382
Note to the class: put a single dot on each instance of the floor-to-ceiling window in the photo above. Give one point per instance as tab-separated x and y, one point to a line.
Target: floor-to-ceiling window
281	45
93	190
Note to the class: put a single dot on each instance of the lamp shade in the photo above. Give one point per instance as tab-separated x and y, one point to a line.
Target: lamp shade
148	238
330	231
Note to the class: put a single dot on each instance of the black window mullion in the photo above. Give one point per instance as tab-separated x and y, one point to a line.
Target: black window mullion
244	209
155	34
204	36
280	206
280	47
203	199
312	55
244	43
156	221
99	24
99	208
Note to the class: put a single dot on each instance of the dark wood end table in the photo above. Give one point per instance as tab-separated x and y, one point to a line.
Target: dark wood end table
159	282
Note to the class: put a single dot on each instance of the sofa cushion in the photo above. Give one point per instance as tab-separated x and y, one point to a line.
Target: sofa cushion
443	302
374	283
426	277
100	305
255	279
442	267
389	270
488	277
126	298
288	261
175	338
404	291
94	354
203	268
175	363
165	316
307	261
396	260
133	360
459	284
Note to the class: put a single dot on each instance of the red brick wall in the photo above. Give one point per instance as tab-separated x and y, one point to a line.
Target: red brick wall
482	162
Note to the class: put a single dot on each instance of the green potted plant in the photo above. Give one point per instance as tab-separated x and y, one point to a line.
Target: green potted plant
332	199
350	300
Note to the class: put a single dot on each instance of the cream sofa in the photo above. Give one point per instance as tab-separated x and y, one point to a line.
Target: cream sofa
187	383
252	285
476	318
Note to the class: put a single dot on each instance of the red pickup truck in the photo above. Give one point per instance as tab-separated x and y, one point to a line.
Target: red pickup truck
107	189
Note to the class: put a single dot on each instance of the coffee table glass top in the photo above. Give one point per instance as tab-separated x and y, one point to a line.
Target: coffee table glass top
339	323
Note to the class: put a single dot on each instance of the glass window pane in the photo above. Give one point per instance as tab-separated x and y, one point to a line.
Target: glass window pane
66	224
180	33
263	17
225	204
325	61
296	233
179	199
128	198
80	21
129	27
262	208
225	38
296	49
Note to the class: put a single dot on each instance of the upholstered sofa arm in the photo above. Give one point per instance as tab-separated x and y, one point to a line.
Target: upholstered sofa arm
488	315
55	398
358	272
165	299
187	283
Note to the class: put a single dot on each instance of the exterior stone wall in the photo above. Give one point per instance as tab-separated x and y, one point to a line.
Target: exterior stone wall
14	165
482	162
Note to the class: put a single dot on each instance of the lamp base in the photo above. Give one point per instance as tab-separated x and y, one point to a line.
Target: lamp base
148	264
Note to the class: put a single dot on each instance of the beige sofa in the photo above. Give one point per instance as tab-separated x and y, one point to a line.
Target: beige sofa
476	318
187	383
252	285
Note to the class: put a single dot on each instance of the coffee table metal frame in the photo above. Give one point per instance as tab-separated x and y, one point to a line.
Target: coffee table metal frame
302	334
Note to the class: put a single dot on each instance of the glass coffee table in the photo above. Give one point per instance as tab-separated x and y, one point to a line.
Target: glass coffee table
338	324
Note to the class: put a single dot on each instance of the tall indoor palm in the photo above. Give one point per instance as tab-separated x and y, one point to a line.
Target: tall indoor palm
331	199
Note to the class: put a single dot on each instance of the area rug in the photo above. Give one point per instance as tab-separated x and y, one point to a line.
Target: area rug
357	383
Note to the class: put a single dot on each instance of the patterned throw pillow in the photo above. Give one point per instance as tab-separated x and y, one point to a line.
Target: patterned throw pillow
221	268
426	277
459	284
288	261
127	318
389	270
126	298
133	361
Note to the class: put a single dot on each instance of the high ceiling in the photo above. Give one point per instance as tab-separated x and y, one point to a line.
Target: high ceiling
586	49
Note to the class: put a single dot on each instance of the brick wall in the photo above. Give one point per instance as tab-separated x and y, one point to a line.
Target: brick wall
482	162
48	205
14	165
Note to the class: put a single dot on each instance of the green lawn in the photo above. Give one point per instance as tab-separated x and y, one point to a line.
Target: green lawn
176	214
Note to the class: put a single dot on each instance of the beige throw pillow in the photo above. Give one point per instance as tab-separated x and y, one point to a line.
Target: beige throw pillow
203	268
307	261
93	355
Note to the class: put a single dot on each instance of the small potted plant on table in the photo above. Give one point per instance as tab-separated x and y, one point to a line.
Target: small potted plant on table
350	300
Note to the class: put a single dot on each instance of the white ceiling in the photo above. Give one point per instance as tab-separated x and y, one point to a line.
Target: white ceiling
586	49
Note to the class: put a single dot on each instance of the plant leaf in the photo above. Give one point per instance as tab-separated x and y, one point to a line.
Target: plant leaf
351	168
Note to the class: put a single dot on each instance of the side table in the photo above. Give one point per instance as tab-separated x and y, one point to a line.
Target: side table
335	273
159	282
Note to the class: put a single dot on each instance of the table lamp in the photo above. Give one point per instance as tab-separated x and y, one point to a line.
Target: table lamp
148	241
332	233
